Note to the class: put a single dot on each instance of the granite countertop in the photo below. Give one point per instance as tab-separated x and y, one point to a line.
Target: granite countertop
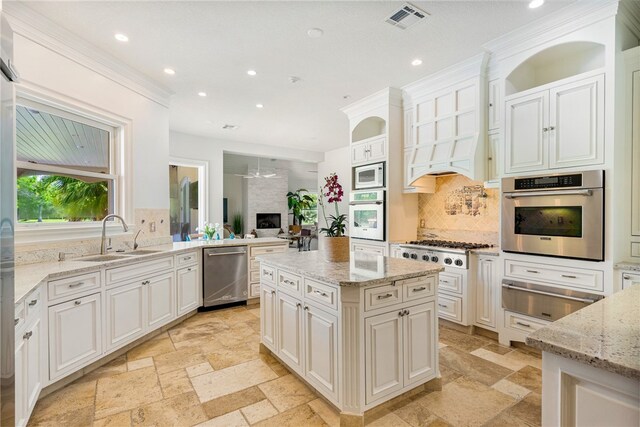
605	335
361	270
492	251
628	265
29	276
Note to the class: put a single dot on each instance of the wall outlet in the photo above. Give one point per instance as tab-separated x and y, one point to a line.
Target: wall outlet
152	226
422	223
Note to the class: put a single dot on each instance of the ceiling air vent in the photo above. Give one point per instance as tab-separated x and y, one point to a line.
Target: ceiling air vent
406	16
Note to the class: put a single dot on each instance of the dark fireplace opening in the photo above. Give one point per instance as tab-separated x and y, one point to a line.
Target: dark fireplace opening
268	220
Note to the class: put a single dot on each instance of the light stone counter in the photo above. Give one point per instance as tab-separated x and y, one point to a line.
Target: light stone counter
362	269
492	251
604	335
628	266
29	276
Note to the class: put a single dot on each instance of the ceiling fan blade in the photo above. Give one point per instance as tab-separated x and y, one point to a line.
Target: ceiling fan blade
269	175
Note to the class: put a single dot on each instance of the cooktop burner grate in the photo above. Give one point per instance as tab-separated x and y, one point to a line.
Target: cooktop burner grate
450	244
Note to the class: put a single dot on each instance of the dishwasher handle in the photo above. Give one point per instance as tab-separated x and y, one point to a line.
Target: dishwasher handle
551	294
226	253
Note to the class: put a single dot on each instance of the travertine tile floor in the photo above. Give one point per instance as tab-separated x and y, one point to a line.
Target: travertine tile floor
207	372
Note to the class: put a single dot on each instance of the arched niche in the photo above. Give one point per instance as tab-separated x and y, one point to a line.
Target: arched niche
555	63
369	127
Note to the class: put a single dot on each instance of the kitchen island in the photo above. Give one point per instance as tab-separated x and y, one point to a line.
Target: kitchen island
360	332
591	364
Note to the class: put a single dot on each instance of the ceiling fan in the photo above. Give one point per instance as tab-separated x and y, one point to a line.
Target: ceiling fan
257	174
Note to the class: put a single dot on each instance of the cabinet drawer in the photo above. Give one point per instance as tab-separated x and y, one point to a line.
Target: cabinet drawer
254	290
417	288
268	274
71	286
254	264
450	308
140	269
451	282
381	296
370	249
321	293
261	250
33	303
186	259
289	282
522	323
19	316
254	276
565	276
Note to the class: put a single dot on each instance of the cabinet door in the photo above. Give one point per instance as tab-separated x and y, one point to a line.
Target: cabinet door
20	390
576	123
527	118
160	300
495	99
359	153
383	355
188	286
75	334
34	363
321	349
268	316
629	279
486	288
493	159
125	307
635	141
377	150
420	343
289	321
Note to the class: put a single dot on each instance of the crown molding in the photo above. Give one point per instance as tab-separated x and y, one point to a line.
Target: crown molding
41	30
386	97
567	20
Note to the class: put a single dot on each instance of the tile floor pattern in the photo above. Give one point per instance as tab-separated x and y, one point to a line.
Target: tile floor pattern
207	372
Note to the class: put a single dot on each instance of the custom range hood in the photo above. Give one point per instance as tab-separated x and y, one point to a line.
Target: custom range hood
445	123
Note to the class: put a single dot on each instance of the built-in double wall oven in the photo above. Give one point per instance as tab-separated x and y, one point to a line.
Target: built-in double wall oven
366	214
560	215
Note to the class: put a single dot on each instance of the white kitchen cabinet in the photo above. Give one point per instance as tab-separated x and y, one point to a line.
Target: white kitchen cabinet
188	289
290	331
125	306
557	127
75	334
420	343
635	138
321	349
487	290
34	362
395	251
383	354
370	150
629	279
268	303
20	389
368	248
161	305
493	157
495	102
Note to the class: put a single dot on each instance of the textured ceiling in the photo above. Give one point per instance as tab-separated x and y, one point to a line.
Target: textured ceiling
211	45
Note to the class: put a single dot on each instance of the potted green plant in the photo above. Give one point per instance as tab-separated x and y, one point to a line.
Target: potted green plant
297	203
237	224
336	245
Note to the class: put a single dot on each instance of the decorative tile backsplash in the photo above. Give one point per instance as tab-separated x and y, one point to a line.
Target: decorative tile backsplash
145	220
459	204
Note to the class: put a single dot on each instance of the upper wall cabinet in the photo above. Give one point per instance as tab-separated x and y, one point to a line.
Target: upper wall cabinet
495	104
554	119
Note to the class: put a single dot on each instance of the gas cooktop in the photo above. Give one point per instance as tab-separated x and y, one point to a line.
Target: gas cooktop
448	244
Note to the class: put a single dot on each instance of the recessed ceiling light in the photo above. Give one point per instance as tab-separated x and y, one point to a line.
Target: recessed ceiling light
294	79
416	62
121	37
170	71
535	3
259	106
202	94
314	33
252	72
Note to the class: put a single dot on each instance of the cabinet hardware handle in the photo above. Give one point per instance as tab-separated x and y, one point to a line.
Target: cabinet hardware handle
545	129
306	307
16	321
273	292
401	313
75	285
626	277
33	302
298	305
27	335
385	296
187	258
322	294
526	325
532	271
419	289
78	302
269	250
444	281
406	312
490	104
568	276
289	282
552	128
189	269
226	253
443	305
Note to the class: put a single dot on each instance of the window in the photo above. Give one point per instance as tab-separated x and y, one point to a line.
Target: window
311	214
65	166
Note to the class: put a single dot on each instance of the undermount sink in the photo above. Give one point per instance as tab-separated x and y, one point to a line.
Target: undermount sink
141	252
102	258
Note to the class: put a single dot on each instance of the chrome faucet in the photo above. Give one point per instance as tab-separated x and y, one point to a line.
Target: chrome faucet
103	249
135	240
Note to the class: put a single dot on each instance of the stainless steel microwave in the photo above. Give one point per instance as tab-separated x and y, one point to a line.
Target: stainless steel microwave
560	215
368	176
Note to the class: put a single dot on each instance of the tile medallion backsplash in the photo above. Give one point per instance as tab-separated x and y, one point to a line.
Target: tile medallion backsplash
460	204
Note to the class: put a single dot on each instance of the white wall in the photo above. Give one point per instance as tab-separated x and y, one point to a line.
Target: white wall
233	189
51	75
337	161
212	150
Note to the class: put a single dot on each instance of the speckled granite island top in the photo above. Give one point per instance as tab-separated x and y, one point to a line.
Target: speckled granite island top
361	270
605	335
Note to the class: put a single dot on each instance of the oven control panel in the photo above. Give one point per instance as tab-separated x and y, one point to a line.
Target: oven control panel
544	182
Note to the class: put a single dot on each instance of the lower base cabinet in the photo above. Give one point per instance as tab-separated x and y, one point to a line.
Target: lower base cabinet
188	289
268	303
290	339
321	349
75	334
487	293
28	370
161	301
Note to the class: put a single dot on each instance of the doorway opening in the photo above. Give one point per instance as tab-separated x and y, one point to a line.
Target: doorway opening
187	194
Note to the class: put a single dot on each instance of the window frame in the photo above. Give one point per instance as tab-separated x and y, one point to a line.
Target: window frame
317	210
119	159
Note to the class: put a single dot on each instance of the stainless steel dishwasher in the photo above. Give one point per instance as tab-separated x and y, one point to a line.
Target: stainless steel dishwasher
225	275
